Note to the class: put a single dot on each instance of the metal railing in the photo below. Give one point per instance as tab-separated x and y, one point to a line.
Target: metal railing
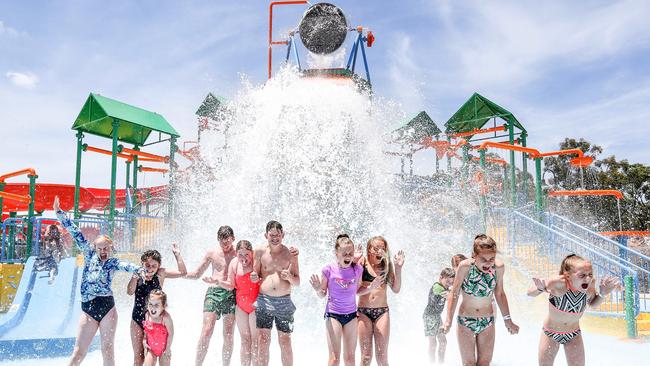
14	240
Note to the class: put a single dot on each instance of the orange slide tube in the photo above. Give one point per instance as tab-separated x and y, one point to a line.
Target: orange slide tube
15	197
152	157
589	192
108	152
28	171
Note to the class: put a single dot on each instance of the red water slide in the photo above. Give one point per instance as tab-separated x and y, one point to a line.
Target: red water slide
89	198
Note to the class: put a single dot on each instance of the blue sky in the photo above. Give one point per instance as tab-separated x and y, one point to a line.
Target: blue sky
576	69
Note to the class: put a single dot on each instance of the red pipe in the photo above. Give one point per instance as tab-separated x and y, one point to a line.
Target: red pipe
271	43
589	192
28	171
108	152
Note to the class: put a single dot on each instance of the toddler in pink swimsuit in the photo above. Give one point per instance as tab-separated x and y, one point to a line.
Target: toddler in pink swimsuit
158	330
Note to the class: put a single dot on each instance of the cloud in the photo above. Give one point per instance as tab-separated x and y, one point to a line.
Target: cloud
27	80
5	29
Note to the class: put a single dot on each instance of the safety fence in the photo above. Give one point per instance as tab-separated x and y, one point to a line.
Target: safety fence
130	234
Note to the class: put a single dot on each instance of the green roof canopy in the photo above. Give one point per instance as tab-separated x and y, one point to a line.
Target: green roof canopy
476	112
210	106
416	128
97	115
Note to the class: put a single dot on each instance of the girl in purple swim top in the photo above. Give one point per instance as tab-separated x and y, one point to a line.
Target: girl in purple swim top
340	281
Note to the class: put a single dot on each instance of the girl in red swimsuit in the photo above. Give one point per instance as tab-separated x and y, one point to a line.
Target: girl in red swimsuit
246	282
158	330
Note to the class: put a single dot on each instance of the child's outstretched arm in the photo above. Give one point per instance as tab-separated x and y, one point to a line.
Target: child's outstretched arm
452	297
169	324
502	299
229	282
396	284
78	237
607	285
182	269
133	284
319	284
205	262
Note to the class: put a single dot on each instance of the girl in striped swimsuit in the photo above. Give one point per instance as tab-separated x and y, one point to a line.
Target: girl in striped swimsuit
569	294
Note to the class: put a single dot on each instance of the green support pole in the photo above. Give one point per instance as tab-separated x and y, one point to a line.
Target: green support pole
449	158
482	199
524	162
513	176
30	213
135	180
111	213
539	205
128	174
465	161
77	179
504	184
12	237
170	190
2	188
629	307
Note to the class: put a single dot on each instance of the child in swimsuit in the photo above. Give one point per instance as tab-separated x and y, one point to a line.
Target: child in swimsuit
374	318
158	330
340	281
432	315
154	279
480	278
246	283
569	293
97	303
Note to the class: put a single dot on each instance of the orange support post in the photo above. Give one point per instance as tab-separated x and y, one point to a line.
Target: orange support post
476	131
271	43
589	192
15	197
28	171
107	152
142	154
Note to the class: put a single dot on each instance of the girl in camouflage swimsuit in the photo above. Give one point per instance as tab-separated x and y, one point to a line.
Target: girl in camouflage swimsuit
480	278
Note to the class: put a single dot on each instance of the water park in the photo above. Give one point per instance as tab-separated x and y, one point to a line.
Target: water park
317	147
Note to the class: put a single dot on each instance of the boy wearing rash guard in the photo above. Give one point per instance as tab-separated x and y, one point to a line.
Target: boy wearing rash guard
340	282
569	293
432	315
97	303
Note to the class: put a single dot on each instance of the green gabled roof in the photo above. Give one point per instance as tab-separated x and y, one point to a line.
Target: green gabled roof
416	128
476	112
210	106
97	115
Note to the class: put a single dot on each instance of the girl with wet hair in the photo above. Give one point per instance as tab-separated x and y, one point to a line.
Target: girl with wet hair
339	281
569	293
374	318
158	330
481	279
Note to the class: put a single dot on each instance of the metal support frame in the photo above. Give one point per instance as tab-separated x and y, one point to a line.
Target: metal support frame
513	172
172	168
77	179
114	152
291	45
352	59
524	162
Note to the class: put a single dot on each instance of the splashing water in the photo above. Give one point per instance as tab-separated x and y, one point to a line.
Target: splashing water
310	154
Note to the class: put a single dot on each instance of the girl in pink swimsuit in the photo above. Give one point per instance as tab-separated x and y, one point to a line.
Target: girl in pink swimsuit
158	330
246	282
